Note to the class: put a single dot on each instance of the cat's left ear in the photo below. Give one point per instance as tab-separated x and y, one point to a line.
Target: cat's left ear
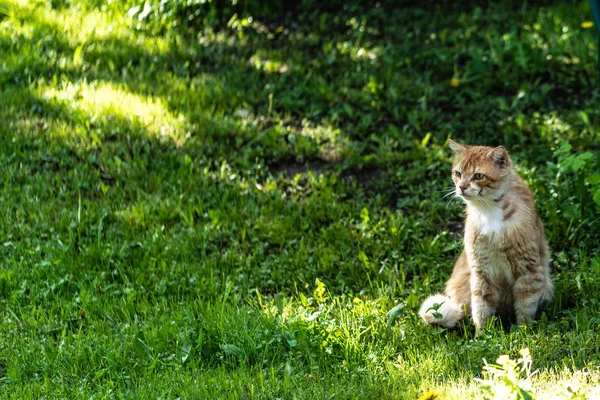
499	156
456	147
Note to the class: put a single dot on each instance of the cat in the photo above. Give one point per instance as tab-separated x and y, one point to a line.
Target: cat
504	266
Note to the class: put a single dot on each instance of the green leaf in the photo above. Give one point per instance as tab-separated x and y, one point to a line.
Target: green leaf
524	394
575	162
232	350
227	292
596	196
584	117
593	179
78	55
565	147
435	306
279	303
364	259
185	350
581	160
426	139
394	314
364	215
319	293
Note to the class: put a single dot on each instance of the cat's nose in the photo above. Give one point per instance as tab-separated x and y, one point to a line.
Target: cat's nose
462	188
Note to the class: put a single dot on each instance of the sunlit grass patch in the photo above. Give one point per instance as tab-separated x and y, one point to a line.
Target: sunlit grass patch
268	64
333	145
79	25
507	379
107	102
76	32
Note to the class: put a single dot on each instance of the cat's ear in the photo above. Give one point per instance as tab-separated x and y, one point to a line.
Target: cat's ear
499	156
456	147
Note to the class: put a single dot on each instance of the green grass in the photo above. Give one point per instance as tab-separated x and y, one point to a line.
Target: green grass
230	211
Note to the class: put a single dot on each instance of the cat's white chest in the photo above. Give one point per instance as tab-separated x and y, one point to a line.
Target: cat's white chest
488	221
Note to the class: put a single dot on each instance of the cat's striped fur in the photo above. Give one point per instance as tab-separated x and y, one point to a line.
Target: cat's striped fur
504	267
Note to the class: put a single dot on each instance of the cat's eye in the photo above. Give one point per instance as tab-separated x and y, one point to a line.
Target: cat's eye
457	174
479	176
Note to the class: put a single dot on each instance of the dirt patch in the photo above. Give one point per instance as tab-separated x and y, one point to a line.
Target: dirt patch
364	177
291	168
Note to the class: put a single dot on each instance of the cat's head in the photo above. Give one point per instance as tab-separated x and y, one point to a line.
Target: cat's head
481	174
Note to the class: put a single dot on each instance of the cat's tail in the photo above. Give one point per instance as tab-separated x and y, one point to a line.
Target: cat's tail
441	310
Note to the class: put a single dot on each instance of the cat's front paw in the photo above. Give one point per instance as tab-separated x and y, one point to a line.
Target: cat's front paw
481	312
479	319
479	325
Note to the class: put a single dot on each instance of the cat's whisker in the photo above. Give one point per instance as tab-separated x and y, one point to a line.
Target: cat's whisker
480	197
448	194
453	193
450	200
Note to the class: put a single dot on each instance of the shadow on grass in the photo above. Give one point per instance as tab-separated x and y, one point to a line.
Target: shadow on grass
374	95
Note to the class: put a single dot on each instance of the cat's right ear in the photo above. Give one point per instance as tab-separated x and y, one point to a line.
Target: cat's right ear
499	156
456	147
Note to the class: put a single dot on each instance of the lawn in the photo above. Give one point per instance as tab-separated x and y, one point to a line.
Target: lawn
229	206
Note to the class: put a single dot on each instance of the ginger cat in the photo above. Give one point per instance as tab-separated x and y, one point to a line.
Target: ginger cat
504	267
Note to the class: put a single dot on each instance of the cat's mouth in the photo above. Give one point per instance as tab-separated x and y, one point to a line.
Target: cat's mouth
471	196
